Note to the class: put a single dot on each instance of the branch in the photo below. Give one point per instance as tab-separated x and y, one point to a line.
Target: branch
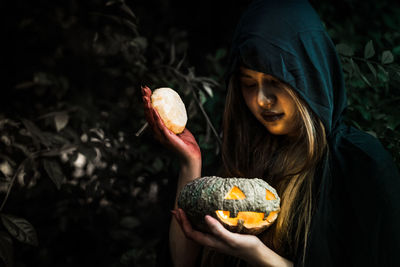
371	61
205	115
187	80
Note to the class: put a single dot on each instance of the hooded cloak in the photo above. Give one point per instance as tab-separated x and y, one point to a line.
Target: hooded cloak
356	221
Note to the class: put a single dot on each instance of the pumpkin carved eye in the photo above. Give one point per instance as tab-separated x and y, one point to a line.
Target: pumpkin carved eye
242	205
235	193
269	195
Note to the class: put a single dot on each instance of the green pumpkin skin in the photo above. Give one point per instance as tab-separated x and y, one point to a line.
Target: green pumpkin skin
206	195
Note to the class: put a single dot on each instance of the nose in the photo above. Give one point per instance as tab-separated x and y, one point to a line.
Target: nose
264	99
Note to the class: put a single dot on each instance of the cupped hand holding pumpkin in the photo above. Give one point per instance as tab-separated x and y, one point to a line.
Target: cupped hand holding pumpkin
247	247
183	144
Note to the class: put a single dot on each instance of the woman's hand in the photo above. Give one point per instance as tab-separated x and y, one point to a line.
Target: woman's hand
247	247
184	144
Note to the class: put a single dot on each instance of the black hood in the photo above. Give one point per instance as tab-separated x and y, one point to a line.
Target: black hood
287	40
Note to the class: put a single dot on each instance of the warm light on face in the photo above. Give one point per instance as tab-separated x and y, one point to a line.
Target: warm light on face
269	102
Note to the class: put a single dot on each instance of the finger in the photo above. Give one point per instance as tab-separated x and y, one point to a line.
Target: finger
185	132
147	102
188	137
148	111
176	216
174	212
219	230
202	238
159	125
153	117
146	91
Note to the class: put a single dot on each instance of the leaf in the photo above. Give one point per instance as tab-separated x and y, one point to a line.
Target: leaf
127	11
6	249
372	69
208	89
383	74
221	53
365	79
202	97
393	122
356	124
130	25
354	65
358	71
372	133
369	50
345	50
58	151
387	57
54	171
98	132
141	42
61	120
20	229
88	151
6	168
35	132
348	68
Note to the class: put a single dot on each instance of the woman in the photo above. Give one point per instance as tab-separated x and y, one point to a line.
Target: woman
283	121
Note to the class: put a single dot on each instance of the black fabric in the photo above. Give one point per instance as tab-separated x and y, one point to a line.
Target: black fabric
357	219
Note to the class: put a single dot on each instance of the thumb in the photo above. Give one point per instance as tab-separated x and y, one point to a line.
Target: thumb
218	229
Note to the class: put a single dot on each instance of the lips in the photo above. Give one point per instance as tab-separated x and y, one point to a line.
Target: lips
272	116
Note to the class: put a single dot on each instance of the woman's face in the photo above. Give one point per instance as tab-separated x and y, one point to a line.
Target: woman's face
269	102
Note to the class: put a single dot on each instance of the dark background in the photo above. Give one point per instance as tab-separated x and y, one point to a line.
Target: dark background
78	188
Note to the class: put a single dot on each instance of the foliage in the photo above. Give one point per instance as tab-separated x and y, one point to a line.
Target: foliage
369	50
373	97
78	187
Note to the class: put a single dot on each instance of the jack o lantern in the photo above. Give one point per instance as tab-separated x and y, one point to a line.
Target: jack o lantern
242	205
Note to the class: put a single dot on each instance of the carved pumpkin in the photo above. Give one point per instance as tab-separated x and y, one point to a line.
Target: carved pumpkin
242	205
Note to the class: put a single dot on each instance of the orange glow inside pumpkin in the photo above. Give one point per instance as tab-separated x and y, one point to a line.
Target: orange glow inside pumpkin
250	219
235	193
269	195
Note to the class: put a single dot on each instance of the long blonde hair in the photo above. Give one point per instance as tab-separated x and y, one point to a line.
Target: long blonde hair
288	164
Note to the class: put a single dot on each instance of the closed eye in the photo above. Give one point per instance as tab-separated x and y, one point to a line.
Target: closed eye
252	85
247	83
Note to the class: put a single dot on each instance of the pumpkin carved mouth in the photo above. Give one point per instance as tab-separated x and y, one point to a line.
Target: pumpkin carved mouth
249	219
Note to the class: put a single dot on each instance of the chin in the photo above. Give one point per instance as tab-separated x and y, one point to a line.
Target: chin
275	131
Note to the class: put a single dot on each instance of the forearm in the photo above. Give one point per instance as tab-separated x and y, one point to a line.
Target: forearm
265	257
183	251
188	173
